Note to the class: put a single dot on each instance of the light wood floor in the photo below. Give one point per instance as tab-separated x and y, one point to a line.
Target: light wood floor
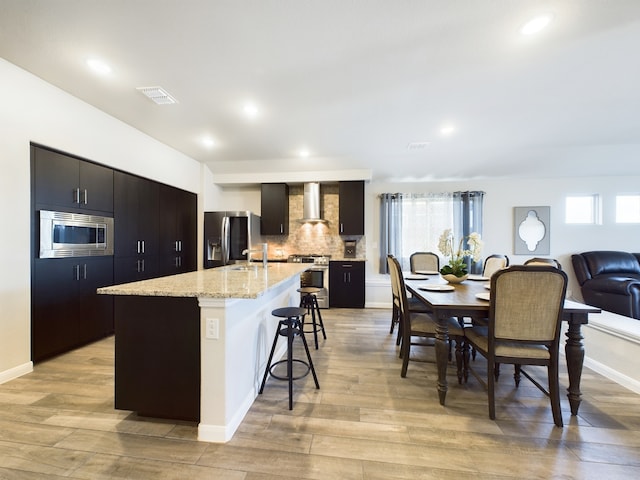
364	423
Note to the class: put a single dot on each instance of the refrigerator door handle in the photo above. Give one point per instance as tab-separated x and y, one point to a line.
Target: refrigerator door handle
225	240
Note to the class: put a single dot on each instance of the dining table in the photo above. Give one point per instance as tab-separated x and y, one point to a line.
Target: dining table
460	300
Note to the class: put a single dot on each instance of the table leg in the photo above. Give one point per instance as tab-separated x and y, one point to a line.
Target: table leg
574	352
442	356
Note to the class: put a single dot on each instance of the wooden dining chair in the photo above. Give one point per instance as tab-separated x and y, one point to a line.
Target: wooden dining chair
525	312
493	263
415	305
544	261
422	325
424	261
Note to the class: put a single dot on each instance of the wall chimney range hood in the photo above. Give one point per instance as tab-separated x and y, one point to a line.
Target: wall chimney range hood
311	203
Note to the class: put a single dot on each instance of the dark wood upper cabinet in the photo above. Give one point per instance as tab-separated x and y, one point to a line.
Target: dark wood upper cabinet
135	215
66	183
351	216
274	209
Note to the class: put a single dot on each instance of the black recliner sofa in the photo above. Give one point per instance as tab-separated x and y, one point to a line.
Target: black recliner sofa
610	280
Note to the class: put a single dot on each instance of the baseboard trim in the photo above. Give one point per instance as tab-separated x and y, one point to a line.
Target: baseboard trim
16	372
613	375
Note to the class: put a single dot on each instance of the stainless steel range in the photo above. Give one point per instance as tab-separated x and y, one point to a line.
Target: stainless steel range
316	276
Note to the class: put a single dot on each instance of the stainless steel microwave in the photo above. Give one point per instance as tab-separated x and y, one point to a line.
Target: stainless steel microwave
64	234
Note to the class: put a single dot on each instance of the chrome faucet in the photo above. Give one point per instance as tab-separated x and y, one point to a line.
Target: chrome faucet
264	249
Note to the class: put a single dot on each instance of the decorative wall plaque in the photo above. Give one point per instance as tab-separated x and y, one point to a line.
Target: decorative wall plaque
531	231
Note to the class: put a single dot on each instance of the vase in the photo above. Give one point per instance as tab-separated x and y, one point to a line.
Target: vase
451	278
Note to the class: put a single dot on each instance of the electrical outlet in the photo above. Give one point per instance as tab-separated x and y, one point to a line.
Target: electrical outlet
212	328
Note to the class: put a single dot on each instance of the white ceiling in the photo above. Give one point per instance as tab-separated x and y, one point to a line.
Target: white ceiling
355	81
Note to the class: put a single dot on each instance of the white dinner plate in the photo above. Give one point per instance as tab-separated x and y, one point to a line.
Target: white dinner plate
427	272
437	288
483	296
477	277
416	277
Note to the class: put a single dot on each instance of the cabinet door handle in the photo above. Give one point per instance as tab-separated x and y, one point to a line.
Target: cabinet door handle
341	227
175	247
86	197
76	272
281	228
180	244
142	263
76	195
142	246
84	273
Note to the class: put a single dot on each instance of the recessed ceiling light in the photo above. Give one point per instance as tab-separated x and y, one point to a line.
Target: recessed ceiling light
208	142
250	110
447	130
98	66
158	95
535	25
304	153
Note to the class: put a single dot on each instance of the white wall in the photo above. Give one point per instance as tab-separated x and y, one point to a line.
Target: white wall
503	195
35	111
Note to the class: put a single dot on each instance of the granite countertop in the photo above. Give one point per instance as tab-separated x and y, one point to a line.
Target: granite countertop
344	259
221	282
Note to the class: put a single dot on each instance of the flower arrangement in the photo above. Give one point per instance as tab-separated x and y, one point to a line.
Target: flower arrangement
457	265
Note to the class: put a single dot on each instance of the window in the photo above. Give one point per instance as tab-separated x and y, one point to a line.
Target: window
583	209
628	208
414	222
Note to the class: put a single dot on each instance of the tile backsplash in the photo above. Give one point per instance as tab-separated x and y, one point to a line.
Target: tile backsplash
313	238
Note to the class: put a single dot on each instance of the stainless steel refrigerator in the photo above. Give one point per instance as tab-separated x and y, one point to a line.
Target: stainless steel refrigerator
227	235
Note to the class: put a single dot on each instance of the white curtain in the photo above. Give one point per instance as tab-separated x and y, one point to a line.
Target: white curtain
413	222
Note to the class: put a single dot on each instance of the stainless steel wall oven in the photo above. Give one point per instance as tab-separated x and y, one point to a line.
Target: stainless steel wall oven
316	276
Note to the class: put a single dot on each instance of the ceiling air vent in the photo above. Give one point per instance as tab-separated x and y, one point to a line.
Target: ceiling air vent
417	146
158	94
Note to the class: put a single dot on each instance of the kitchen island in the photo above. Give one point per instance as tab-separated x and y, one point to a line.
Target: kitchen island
194	346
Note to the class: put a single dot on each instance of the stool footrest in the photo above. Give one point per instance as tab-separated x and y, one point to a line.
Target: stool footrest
294	360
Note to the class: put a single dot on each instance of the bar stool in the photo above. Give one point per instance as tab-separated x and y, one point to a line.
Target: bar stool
291	325
309	301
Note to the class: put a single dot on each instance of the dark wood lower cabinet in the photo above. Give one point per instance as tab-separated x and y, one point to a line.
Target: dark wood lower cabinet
346	284
66	310
157	356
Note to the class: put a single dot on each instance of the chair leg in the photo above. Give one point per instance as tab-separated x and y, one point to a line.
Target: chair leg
465	358
405	351
516	374
496	371
394	317
290	359
554	392
459	359
399	337
491	388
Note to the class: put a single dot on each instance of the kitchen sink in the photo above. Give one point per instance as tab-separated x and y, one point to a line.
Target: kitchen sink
246	268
